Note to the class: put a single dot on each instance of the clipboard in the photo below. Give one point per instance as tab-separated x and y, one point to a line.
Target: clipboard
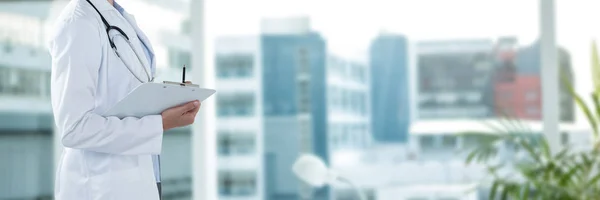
154	98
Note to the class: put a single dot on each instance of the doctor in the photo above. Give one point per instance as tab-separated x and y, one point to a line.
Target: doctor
99	55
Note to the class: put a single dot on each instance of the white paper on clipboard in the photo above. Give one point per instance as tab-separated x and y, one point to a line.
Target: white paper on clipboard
154	98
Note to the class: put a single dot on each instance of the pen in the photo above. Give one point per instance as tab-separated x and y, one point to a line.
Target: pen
183	78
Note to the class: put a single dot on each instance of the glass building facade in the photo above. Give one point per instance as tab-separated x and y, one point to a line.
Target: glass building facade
390	100
295	113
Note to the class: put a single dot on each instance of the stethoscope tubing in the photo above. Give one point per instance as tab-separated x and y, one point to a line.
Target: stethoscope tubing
137	55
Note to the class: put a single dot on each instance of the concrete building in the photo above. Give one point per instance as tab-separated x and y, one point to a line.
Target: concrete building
390	98
454	79
481	78
348	112
238	65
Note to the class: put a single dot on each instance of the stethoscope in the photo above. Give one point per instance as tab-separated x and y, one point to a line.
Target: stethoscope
149	77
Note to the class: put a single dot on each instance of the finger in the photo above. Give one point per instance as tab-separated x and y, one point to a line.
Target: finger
188	107
193	112
196	106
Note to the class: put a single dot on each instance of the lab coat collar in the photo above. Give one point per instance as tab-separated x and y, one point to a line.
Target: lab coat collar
102	5
131	19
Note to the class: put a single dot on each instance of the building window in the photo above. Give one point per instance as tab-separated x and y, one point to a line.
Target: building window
235	105
47	84
237	183
362	76
4	80
337	93
304	96
228	66
363	104
17	81
333	136
334	99
8	47
426	141
236	143
449	141
303	61
357	102
564	138
352	101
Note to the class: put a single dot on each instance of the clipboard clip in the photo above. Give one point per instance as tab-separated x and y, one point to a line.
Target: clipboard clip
181	84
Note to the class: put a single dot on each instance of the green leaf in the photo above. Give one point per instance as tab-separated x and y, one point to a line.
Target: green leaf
595	67
546	148
526	190
494	189
562	153
510	127
471	156
594	180
504	194
494	128
596	106
569	175
586	160
530	150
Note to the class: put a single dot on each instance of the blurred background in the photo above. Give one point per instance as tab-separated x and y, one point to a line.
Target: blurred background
380	89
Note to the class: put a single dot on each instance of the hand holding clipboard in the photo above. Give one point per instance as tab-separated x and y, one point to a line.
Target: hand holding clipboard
178	101
154	98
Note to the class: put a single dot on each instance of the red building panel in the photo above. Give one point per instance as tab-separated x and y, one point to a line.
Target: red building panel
520	98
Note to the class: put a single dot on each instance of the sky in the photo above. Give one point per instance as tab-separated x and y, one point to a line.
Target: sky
351	24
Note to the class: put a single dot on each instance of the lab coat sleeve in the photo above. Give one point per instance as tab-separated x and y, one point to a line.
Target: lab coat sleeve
76	50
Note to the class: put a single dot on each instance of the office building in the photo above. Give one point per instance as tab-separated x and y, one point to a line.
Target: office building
390	99
518	89
348	112
282	94
455	79
239	118
295	104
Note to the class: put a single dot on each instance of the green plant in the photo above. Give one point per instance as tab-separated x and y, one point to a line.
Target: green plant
542	174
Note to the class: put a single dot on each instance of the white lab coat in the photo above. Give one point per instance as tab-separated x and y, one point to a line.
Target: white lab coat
104	157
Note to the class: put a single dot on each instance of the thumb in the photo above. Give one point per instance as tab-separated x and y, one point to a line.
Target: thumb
188	106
